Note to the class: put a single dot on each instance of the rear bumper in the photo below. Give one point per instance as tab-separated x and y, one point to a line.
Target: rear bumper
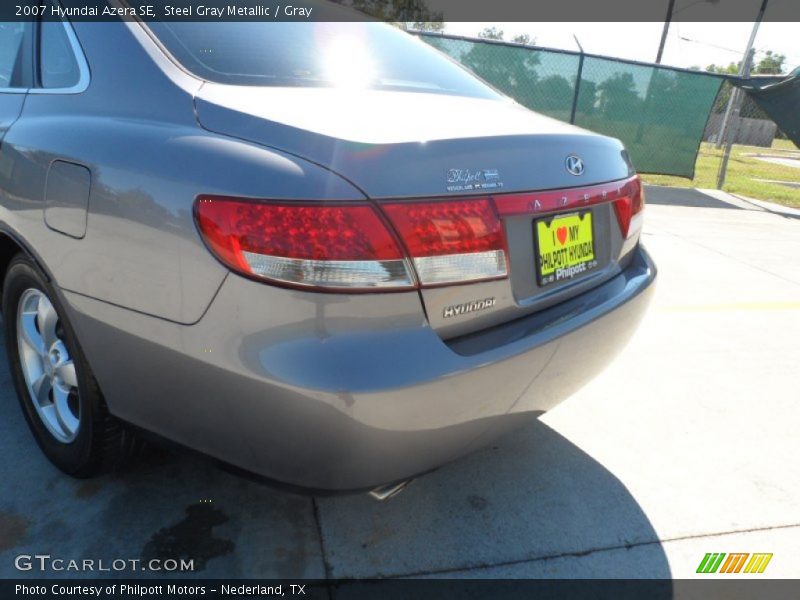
347	392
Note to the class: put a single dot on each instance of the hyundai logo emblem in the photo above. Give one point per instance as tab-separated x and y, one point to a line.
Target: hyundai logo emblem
575	165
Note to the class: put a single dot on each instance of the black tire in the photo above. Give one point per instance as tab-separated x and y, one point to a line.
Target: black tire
102	442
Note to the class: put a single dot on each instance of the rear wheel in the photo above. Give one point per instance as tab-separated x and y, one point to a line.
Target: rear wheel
58	394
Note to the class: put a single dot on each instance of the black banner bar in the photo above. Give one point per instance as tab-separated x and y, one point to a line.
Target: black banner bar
712	11
399	589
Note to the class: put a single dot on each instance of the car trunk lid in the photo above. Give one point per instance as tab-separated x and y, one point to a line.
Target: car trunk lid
407	145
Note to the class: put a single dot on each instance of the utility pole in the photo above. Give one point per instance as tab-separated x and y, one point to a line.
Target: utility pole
577	82
665	31
648	94
735	93
736	104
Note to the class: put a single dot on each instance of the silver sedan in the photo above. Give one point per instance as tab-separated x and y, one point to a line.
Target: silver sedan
322	252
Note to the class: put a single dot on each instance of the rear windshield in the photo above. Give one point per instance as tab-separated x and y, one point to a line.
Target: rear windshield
365	55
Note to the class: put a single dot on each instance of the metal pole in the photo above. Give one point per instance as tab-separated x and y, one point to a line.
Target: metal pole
750	42
648	93
577	83
734	128
664	33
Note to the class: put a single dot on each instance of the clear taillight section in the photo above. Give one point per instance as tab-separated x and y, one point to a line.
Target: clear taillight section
451	241
353	246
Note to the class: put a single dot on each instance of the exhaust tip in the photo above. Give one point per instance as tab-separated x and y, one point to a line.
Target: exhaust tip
384	492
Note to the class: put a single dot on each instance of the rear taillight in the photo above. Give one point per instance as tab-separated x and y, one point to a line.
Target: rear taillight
451	241
629	206
392	245
352	246
316	245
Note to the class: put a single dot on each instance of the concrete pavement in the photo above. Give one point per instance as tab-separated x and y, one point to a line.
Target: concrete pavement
688	443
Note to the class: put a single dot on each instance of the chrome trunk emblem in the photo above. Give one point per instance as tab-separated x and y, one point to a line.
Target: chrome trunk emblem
574	164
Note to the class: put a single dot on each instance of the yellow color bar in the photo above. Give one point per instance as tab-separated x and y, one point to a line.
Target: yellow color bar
767	558
758	563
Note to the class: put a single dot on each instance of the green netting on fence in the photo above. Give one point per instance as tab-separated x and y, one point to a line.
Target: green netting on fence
659	113
779	100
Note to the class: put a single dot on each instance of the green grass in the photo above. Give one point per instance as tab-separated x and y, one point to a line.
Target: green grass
784	145
743	173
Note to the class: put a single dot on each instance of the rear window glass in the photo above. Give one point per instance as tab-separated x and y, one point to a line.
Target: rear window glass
59	68
363	55
12	36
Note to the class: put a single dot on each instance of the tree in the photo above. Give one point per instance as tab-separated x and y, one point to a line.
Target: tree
731	69
587	98
617	97
510	69
770	64
491	33
524	38
553	96
426	26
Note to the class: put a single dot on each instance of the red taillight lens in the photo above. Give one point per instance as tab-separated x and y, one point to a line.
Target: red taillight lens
354	245
351	245
451	241
341	246
630	205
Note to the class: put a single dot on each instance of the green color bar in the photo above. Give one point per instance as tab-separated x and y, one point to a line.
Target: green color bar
718	562
710	563
701	568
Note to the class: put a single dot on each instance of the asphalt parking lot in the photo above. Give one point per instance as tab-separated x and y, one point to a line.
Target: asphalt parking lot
687	444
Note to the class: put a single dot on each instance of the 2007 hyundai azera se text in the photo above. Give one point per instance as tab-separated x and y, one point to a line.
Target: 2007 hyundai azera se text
321	252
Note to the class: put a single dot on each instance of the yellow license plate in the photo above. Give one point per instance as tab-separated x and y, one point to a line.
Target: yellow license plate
565	247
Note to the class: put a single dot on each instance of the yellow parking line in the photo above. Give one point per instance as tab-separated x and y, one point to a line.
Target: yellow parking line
732	306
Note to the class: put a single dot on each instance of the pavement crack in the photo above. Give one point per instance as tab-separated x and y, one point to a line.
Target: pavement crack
582	553
318	522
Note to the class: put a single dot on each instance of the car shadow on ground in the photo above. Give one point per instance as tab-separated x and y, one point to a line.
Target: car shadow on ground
533	498
526	502
688	197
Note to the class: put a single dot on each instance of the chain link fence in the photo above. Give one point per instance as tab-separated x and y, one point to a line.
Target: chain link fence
753	127
659	113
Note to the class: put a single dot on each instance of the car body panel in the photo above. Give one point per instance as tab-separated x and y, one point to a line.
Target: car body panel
66	202
346	392
408	144
10	109
148	163
392	144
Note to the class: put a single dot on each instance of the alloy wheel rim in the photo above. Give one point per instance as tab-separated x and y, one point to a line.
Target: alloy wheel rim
47	366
